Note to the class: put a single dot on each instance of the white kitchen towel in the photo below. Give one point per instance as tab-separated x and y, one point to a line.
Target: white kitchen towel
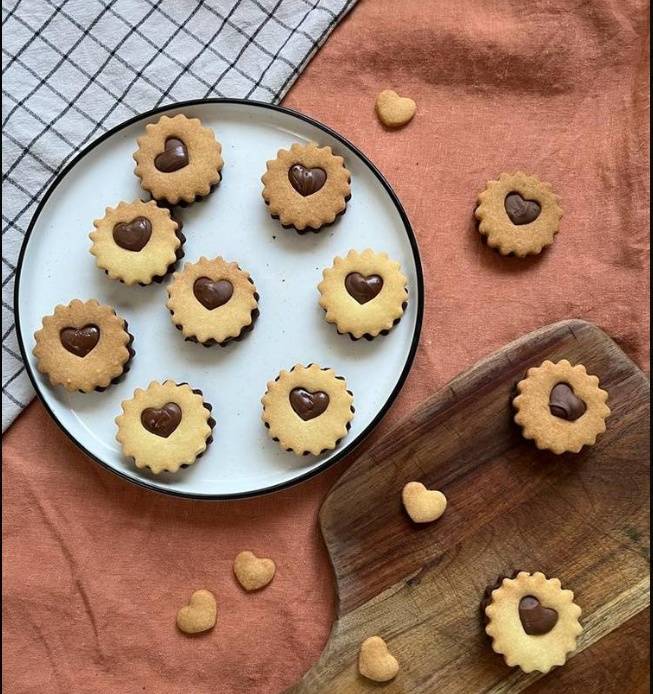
73	69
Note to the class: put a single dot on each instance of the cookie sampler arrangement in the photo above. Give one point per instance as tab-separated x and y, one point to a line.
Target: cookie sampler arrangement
167	425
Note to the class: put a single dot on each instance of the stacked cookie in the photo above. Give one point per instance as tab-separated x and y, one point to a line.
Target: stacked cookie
168	425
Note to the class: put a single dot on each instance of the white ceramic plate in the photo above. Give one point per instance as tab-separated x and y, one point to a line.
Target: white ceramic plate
233	222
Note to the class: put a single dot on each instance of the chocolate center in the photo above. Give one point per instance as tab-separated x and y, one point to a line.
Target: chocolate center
535	618
362	288
308	405
161	421
520	210
211	293
80	341
132	236
306	181
564	403
173	157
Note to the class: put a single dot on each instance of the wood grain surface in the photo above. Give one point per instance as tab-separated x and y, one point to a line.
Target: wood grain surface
583	518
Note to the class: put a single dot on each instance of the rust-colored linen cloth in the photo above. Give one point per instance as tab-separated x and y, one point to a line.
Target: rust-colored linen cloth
95	569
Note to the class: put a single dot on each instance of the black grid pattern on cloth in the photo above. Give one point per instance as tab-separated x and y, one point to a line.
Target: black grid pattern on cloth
73	69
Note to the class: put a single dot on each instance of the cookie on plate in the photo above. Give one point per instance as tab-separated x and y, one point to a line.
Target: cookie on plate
164	427
561	407
364	294
178	159
213	302
137	242
518	214
83	346
531	620
308	409
306	187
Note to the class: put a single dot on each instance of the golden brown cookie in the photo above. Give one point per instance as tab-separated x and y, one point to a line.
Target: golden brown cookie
531	620
165	427
306	187
137	242
178	159
518	214
375	660
83	346
307	409
423	505
252	572
394	110
213	302
364	294
200	613
561	407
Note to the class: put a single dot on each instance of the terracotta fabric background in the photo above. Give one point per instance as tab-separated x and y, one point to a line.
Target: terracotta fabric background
95	569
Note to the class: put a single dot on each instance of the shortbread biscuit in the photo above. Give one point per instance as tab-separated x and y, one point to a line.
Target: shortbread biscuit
178	159
308	409
518	214
531	620
199	615
393	110
561	407
137	242
306	187
375	660
252	572
83	346
364	294
165	427
213	301
423	505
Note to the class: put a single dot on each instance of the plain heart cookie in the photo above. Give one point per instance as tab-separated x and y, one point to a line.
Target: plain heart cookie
394	110
200	613
252	572
423	505
375	660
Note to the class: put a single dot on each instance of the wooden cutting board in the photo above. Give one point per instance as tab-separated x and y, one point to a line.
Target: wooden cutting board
583	518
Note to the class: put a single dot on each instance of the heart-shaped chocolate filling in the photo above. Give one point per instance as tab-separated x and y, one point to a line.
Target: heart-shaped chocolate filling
564	403
535	618
80	341
362	288
132	236
520	210
173	157
212	294
308	405
306	181
161	421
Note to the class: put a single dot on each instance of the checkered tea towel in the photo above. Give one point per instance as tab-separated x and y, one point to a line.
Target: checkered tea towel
73	69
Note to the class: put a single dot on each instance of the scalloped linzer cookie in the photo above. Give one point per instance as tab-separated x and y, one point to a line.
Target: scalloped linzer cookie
306	186
178	159
137	242
561	407
364	294
308	409
83	346
213	301
531	620
518	214
165	427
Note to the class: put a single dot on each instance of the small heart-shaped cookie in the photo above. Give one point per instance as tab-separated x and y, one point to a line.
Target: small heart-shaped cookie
394	110
199	614
375	660
253	573
423	505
